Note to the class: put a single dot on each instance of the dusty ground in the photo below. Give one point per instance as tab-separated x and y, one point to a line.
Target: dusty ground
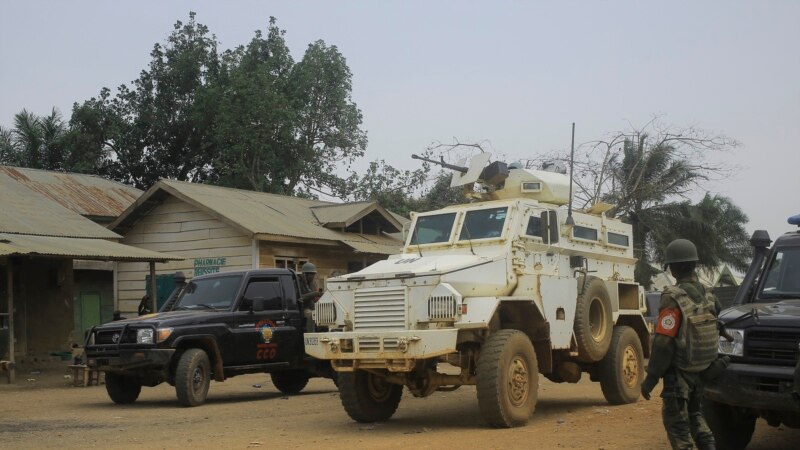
48	413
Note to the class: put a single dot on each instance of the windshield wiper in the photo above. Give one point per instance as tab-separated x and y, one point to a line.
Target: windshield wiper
205	306
415	238
469	237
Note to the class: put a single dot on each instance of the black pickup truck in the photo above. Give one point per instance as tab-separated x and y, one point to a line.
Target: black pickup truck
763	334
216	327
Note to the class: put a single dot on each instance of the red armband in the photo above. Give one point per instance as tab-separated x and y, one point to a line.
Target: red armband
669	320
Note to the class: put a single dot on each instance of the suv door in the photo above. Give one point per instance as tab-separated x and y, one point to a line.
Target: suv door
263	337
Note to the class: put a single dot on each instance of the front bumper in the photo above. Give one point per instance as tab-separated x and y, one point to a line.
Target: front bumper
393	350
129	359
754	386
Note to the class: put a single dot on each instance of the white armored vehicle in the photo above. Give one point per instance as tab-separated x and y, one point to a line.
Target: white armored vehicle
490	293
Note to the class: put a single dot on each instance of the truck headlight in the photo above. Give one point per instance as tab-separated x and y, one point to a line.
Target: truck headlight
735	347
144	336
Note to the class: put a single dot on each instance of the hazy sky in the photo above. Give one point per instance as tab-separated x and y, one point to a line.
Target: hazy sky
513	73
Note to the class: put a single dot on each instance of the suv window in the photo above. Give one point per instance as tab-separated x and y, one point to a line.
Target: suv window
267	288
209	293
780	279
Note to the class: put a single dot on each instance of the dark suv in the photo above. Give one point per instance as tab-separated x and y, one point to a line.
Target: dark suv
217	326
763	328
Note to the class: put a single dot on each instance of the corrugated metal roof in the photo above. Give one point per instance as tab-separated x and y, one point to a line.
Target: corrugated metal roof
373	244
87	195
17	244
27	212
254	212
340	213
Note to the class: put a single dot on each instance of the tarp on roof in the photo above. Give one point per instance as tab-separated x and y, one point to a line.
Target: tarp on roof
256	213
27	212
87	195
80	248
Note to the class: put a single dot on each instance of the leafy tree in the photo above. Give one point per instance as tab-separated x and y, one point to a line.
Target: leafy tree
254	129
327	126
160	126
394	189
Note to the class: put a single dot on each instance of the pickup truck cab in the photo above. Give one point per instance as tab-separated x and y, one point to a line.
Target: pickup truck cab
219	326
763	334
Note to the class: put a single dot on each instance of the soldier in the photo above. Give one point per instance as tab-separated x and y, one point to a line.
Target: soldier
684	347
308	294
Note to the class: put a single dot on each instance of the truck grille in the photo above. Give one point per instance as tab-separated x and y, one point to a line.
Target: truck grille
106	337
325	313
382	308
442	307
772	345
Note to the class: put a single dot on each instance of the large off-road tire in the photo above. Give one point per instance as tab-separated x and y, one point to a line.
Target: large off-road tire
507	379
732	429
367	397
122	389
290	381
622	369
593	320
192	377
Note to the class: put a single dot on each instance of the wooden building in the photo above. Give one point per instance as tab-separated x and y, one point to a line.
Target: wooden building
220	229
56	259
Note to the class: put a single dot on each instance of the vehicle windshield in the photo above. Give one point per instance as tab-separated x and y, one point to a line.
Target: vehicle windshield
782	276
483	223
432	229
209	293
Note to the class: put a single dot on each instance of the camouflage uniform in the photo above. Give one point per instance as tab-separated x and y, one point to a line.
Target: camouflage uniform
683	389
308	295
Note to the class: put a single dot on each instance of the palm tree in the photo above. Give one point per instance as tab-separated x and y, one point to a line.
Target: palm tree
35	142
647	180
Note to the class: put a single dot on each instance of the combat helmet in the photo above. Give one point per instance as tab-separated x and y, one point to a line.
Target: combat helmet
308	268
680	250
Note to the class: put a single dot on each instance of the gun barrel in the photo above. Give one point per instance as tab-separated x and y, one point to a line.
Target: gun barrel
442	163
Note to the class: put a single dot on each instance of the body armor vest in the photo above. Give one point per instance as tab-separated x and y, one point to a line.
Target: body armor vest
696	343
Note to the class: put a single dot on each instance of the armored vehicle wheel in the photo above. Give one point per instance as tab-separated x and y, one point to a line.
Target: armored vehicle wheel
593	322
192	377
290	381
732	429
622	368
508	379
122	389
367	397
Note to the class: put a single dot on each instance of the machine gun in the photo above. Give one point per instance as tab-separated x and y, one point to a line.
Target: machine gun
476	169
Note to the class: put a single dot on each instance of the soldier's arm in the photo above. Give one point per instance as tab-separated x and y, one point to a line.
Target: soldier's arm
663	350
667	326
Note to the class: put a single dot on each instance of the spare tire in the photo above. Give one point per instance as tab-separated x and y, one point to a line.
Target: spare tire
593	320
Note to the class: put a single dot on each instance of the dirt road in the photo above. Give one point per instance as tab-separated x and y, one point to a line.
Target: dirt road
41	414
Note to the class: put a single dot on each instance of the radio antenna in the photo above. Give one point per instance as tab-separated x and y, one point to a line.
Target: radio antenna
570	220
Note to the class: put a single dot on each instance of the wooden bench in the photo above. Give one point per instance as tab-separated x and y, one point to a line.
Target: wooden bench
84	376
